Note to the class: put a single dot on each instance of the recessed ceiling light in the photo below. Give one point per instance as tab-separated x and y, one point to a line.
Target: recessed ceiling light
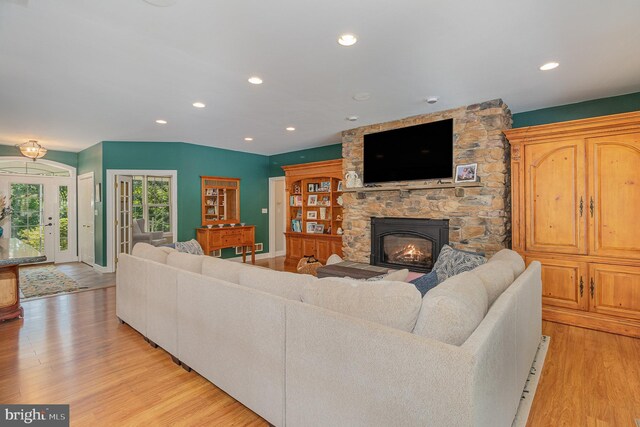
352	118
432	99
255	80
549	66
161	122
248	139
199	104
291	128
347	40
362	96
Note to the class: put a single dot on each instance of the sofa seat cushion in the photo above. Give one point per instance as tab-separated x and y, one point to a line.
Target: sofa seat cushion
150	252
281	283
226	270
513	258
186	262
496	277
394	304
453	261
453	310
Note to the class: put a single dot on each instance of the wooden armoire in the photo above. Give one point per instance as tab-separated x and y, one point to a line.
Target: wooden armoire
576	209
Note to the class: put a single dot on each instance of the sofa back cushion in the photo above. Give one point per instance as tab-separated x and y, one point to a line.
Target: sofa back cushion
394	304
186	262
513	258
226	270
496	277
280	283
453	310
150	252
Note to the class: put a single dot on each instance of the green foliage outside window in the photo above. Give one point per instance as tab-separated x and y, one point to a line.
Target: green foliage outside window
152	202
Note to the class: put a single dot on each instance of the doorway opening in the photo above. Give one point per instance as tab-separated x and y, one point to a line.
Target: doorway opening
277	217
42	197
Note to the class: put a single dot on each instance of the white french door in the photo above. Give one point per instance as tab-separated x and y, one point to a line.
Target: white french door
86	236
43	215
124	193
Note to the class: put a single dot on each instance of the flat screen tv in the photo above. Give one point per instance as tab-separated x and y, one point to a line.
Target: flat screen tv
412	153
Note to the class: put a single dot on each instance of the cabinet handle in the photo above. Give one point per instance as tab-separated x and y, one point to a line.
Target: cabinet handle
591	206
593	287
581	206
581	286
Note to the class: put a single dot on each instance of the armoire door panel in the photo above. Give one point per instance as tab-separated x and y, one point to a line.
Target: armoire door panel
555	211
614	187
616	290
564	283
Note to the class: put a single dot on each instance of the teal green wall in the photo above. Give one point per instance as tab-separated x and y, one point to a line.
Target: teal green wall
192	161
581	110
90	160
327	152
66	157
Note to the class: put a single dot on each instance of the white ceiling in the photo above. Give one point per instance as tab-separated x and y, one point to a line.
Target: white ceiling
77	72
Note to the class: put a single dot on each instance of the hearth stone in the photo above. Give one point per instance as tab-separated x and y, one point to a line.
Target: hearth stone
412	243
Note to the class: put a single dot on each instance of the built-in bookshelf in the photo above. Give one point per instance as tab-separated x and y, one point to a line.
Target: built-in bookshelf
314	214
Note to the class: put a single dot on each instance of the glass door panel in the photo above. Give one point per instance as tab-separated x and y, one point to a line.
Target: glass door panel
27	220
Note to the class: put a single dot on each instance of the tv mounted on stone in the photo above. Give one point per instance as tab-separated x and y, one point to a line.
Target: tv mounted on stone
419	152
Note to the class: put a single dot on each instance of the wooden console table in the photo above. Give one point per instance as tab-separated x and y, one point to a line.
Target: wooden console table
13	252
215	238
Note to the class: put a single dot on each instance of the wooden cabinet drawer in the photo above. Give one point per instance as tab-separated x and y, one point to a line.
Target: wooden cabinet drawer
564	282
616	290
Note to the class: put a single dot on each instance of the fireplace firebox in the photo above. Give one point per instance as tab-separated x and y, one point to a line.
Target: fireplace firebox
412	243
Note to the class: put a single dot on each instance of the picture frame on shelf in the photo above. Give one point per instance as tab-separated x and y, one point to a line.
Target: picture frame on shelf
325	187
339	187
312	200
467	173
311	188
319	229
296	189
311	226
312	215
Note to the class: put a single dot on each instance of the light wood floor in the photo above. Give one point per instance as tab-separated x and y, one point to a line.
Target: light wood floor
71	349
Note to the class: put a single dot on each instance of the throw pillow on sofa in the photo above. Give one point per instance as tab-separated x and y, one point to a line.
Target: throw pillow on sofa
150	252
190	247
454	261
280	283
394	304
453	310
426	282
496	277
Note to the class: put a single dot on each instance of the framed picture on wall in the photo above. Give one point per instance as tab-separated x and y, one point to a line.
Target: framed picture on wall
467	173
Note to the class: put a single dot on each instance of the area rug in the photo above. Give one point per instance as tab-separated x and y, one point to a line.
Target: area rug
532	384
45	280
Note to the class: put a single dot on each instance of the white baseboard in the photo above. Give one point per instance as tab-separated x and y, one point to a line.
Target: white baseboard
101	269
258	256
280	253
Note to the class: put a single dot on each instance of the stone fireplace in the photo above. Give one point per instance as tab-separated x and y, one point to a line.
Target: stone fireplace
412	243
478	217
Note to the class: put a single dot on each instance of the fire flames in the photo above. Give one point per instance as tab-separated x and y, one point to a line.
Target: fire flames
409	253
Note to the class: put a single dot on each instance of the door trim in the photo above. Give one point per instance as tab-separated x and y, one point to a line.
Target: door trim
111	208
272	218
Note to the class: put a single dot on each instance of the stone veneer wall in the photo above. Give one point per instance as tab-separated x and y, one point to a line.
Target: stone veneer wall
479	218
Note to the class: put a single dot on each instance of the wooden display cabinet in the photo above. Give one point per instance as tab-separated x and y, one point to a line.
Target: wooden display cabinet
314	212
220	200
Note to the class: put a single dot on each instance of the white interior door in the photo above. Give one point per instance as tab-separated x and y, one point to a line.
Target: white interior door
124	228
281	216
86	244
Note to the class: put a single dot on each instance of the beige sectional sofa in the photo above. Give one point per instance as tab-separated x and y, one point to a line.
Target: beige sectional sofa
301	351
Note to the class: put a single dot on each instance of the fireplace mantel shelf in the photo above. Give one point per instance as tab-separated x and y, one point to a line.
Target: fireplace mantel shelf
412	187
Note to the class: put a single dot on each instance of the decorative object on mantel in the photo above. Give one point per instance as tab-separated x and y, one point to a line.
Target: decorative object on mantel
32	149
467	173
352	180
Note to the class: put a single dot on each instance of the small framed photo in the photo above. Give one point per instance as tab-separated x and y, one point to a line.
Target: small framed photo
311	188
466	173
311	227
312	215
339	186
319	229
312	200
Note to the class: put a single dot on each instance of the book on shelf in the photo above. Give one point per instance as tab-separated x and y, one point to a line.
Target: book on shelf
295	200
